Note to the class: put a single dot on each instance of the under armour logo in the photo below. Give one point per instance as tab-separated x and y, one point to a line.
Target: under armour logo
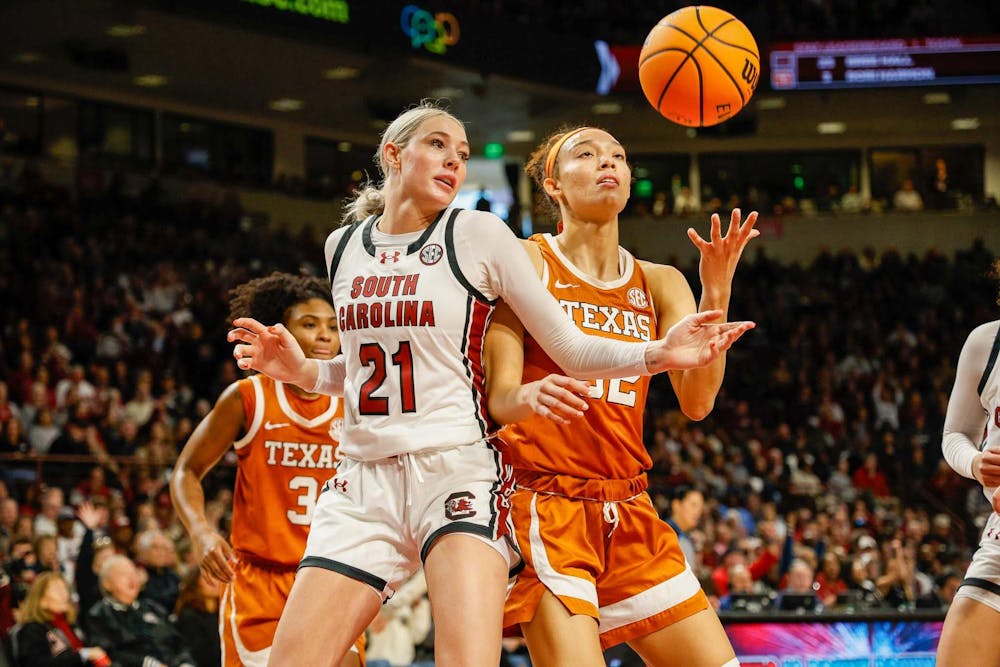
339	484
389	257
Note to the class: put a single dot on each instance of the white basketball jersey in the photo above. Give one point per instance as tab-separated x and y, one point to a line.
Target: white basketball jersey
412	328
989	397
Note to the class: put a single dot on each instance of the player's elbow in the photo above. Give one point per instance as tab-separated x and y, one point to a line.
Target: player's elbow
697	410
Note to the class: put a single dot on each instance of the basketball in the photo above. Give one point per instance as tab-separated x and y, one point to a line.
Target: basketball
699	66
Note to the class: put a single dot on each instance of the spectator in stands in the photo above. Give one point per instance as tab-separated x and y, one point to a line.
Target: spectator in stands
156	553
95	547
907	198
939	195
686	202
12	440
52	501
8	409
131	630
738	556
941	596
197	617
48	636
830	581
869	477
741	585
799	592
686	506
42	432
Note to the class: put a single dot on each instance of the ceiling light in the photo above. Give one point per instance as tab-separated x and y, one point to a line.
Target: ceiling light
341	72
31	102
940	97
125	30
965	124
691	133
605	108
447	91
27	57
523	136
771	103
344	146
150	80
378	124
833	127
285	104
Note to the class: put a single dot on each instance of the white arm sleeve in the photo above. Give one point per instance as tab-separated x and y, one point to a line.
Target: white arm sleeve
965	420
495	263
331	376
331	372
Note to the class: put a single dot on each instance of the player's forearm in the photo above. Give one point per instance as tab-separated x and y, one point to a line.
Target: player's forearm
188	497
698	388
510	404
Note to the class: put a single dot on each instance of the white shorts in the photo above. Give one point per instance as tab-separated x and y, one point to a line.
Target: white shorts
982	580
375	521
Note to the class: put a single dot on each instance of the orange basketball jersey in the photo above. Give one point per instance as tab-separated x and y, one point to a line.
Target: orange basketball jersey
284	459
607	442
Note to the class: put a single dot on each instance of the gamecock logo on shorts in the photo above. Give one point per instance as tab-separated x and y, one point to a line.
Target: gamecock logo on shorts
459	506
637	298
431	254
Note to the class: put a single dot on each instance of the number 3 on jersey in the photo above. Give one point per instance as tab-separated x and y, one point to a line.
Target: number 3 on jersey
309	490
615	394
374	355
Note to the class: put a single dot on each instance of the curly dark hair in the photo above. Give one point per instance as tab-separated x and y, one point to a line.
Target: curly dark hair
269	299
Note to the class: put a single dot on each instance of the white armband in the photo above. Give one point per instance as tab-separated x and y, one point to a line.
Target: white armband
330	376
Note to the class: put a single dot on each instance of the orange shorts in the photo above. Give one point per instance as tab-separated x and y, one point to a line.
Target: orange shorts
617	562
249	610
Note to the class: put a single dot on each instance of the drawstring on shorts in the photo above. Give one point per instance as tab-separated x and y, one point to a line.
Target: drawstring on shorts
410	469
611	515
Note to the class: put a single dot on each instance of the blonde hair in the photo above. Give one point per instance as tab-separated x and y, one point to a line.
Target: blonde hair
370	199
31	610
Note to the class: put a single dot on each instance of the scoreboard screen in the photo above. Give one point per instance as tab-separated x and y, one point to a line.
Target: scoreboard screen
878	63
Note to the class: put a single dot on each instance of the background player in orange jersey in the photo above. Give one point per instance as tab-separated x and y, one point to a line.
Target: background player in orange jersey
285	440
601	567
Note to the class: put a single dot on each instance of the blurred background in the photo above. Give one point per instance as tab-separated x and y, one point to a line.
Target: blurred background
154	154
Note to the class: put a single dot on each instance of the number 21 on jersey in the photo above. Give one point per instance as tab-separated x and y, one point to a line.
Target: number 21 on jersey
378	358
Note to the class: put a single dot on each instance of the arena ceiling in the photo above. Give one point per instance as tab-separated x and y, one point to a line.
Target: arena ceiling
241	68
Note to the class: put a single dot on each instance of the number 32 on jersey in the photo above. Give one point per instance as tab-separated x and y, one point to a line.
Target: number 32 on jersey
617	393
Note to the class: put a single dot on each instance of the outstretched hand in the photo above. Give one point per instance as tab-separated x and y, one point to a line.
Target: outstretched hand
556	397
695	341
271	350
720	254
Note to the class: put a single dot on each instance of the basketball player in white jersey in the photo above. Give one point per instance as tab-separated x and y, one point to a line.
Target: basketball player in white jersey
414	283
971	634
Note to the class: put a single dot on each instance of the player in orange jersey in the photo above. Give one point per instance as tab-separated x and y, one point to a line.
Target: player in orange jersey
601	567
285	441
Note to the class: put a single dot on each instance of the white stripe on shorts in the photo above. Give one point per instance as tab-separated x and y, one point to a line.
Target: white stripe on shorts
560	584
650	602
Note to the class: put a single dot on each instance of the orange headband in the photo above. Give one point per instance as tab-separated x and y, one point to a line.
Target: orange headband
550	159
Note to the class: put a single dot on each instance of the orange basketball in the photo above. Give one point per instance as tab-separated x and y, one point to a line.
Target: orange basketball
699	66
